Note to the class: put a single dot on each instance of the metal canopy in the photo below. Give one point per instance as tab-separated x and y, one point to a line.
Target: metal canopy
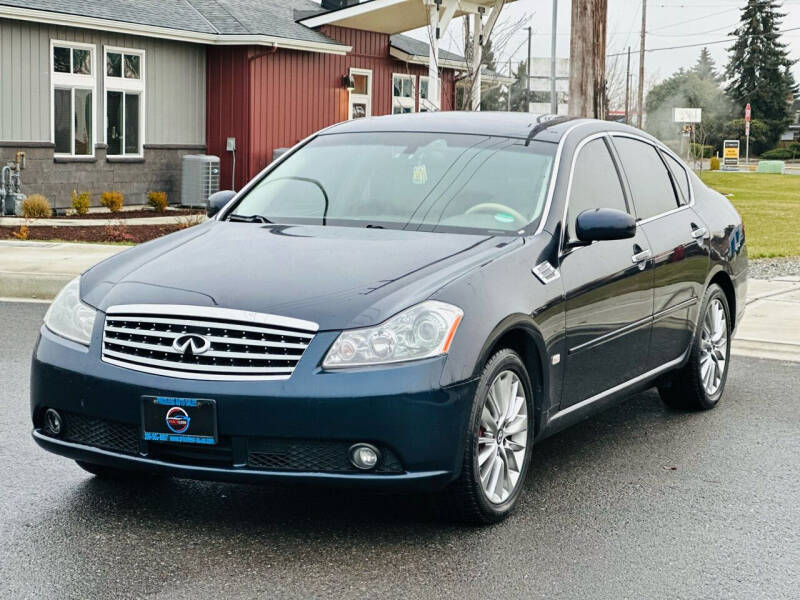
391	16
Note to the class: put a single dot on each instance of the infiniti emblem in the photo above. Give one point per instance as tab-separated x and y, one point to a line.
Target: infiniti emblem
191	344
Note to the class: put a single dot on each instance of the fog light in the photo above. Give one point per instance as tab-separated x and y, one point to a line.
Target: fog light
52	422
364	456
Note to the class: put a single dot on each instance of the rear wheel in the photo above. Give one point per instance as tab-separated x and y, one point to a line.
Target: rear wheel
498	445
700	383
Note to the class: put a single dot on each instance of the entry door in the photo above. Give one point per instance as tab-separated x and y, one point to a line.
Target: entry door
608	286
661	194
360	97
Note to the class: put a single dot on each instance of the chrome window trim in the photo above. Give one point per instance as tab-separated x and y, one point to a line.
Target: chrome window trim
554	177
663	148
575	155
212	312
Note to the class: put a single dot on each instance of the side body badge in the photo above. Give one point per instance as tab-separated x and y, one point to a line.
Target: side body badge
545	272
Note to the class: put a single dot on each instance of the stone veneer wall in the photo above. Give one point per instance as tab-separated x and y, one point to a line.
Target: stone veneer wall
55	178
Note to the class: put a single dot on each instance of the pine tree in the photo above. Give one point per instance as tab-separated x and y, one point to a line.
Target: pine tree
759	68
705	68
492	97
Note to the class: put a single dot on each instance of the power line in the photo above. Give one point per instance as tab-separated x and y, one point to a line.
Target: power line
712	43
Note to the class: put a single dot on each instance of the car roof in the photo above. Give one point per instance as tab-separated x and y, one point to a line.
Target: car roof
506	124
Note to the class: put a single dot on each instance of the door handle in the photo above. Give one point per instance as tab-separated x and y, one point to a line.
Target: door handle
699	232
641	256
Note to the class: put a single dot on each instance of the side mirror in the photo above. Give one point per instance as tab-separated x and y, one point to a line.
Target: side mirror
603	224
216	202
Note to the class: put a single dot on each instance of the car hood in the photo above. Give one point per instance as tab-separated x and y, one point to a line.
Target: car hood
337	277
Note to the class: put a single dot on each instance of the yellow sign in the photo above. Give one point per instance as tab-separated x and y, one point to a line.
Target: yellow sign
732	152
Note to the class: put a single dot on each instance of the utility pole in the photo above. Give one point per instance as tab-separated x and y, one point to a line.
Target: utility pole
641	65
587	59
553	97
528	73
628	88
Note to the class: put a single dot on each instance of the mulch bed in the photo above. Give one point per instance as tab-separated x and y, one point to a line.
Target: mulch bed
133	214
135	234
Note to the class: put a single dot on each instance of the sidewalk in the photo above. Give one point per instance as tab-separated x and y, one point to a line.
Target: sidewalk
40	269
770	328
771	324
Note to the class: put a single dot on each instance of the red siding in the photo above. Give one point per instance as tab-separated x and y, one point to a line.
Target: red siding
271	100
228	110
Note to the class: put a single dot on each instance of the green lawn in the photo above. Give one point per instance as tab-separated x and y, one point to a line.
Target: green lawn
770	207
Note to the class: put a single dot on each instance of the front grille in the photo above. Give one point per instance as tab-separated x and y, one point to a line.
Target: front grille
313	456
226	343
108	435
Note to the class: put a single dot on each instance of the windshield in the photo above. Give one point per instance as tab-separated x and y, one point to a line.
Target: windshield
406	180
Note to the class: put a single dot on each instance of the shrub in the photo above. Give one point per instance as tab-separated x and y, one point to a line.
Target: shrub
81	202
158	200
118	232
36	206
777	154
698	151
112	201
714	163
191	220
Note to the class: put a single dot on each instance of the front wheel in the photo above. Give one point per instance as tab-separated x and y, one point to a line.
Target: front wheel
700	383
498	444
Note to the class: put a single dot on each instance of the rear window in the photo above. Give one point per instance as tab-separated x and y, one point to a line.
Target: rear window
647	175
425	181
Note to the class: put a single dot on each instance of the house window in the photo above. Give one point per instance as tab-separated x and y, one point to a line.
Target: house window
402	94
360	102
124	85
425	104
73	89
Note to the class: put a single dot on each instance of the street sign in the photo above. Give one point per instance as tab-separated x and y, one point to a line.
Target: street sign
730	154
687	115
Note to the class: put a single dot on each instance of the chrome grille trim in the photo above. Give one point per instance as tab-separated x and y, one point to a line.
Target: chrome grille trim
140	337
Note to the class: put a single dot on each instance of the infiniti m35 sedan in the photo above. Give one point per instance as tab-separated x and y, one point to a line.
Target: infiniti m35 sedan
403	302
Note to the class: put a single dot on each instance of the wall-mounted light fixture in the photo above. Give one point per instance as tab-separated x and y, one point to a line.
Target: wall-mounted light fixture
348	82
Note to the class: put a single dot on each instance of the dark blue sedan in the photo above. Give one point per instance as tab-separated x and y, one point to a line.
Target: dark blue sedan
406	302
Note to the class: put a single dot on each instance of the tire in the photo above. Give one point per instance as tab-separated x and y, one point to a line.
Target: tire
104	472
691	387
467	499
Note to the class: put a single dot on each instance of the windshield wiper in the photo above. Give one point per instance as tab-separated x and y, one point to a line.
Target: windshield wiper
249	218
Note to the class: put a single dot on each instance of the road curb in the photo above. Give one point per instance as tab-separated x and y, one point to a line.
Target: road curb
39	286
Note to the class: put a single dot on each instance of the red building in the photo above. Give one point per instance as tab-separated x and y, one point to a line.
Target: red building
270	98
275	98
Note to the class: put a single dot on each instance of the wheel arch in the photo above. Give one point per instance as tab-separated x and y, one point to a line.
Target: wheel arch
723	280
520	333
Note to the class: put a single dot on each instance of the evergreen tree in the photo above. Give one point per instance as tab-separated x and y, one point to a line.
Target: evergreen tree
705	68
759	68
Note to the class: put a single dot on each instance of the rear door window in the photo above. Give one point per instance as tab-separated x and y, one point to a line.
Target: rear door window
681	177
651	186
595	184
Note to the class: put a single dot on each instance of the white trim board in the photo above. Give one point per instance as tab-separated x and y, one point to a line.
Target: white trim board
192	37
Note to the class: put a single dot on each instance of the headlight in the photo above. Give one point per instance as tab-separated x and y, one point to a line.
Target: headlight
69	317
421	331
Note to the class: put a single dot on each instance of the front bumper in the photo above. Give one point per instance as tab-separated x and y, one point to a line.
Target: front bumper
293	430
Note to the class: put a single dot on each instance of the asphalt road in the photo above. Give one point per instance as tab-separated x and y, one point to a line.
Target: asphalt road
640	502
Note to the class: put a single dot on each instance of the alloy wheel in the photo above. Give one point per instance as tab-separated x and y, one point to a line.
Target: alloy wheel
502	437
713	347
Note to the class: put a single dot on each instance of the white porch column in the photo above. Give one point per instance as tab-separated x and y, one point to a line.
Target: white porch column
433	57
477	57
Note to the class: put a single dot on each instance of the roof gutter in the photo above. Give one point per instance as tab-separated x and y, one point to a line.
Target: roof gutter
178	35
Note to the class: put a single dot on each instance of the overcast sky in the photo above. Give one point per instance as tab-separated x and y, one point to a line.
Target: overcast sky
669	23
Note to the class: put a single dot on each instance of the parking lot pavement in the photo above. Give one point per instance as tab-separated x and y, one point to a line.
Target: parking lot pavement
639	502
